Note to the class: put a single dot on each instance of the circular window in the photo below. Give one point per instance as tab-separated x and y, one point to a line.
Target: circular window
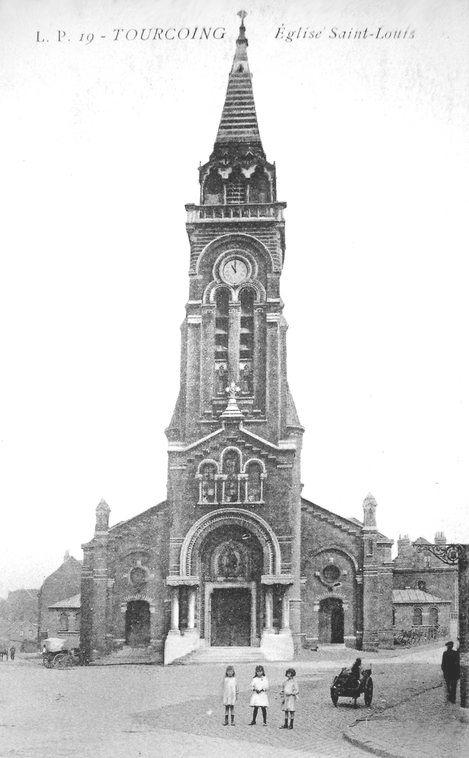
138	575
331	573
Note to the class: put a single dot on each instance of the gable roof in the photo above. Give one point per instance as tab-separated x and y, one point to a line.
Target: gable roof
73	602
348	525
415	596
140	515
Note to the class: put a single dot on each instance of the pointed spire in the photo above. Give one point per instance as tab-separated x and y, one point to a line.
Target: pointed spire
239	120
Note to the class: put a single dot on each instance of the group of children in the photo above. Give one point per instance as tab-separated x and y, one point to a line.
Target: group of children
259	698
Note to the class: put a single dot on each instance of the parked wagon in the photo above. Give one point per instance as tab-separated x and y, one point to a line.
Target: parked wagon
57	654
347	684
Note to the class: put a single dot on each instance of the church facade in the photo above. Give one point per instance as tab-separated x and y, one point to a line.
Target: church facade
235	556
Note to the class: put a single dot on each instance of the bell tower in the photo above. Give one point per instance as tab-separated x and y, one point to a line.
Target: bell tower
235	438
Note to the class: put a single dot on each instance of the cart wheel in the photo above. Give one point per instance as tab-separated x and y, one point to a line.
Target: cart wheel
60	661
369	691
334	696
46	662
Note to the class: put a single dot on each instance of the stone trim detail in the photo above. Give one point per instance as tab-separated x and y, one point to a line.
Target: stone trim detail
247	519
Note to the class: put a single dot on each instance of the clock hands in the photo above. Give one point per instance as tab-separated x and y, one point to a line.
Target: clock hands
233	265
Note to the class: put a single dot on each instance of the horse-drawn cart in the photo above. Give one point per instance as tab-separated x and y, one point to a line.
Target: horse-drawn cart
58	654
347	684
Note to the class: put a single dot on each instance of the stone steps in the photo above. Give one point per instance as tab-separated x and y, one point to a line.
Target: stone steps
223	655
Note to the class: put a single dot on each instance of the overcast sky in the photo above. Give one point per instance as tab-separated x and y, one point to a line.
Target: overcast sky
99	153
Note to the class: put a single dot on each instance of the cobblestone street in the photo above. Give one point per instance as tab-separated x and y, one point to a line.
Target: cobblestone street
149	711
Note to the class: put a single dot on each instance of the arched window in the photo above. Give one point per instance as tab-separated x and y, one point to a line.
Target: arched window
254	482
246	344
221	341
259	187
213	189
207	484
394	617
63	622
433	617
231	471
417	617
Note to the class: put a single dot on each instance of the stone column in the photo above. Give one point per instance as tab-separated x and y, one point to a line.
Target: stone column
191	608
285	611
464	631
269	607
175	610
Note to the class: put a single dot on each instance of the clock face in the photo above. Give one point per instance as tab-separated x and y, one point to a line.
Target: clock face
234	271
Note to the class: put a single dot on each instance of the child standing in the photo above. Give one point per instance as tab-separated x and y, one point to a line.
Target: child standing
259	699
290	692
230	694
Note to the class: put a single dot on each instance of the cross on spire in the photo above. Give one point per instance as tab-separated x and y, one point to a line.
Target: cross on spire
232	390
232	411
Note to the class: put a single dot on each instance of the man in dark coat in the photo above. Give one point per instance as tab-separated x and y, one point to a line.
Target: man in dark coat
451	670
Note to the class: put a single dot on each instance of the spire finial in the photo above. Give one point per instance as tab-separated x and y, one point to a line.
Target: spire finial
242	29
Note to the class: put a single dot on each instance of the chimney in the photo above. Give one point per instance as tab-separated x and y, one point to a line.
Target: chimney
440	538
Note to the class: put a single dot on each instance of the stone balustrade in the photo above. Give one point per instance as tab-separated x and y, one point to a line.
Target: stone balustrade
235	212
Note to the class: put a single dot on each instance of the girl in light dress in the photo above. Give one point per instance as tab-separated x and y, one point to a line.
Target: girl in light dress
259	699
290	693
230	694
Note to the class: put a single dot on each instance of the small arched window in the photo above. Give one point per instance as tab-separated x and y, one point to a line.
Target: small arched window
231	471
63	622
207	484
254	483
394	617
433	617
417	617
259	187
213	189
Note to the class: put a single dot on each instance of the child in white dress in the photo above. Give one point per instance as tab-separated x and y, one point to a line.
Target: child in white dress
259	699
230	694
290	693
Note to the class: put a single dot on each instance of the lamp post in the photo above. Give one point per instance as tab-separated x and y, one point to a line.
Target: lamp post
458	554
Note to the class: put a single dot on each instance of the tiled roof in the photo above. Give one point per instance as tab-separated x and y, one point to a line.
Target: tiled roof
239	120
415	596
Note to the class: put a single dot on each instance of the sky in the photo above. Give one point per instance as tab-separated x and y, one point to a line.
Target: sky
101	141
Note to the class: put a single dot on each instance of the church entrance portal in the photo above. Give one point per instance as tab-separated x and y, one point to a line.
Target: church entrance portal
137	623
331	620
231	616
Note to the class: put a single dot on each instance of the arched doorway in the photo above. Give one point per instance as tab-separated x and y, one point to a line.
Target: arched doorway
331	620
137	623
231	560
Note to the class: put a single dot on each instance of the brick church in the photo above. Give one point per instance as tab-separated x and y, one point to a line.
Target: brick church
235	556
